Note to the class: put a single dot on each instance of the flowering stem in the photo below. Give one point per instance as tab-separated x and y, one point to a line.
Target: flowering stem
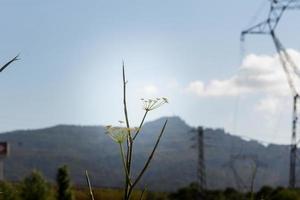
127	158
124	164
129	139
140	127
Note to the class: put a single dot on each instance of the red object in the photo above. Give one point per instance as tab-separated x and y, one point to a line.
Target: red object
3	148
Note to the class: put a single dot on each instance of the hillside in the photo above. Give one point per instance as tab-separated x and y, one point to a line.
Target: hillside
174	166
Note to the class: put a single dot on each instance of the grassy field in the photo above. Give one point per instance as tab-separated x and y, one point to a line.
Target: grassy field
115	194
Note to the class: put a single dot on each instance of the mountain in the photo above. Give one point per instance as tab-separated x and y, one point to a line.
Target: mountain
174	165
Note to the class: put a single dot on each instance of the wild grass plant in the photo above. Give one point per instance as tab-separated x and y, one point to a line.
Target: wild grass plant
125	135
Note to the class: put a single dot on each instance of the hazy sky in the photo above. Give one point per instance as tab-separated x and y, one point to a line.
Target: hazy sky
189	51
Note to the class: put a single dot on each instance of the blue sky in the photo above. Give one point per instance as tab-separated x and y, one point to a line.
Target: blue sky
71	55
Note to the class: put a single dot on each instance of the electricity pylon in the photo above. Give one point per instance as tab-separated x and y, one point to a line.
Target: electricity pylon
268	27
251	158
201	173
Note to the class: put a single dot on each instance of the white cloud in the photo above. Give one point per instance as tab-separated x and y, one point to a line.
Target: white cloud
258	73
172	84
214	88
270	105
149	90
272	109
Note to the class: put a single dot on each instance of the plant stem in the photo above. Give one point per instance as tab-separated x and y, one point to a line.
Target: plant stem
148	160
127	162
129	138
141	124
89	185
124	164
9	62
142	195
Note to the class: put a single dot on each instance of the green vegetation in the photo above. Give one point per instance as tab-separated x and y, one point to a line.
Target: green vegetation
8	191
64	190
265	193
116	194
35	187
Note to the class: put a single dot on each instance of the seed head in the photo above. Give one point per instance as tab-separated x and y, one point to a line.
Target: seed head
119	134
152	104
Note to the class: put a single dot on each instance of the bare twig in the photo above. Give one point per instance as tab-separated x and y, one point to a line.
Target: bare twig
129	138
143	192
9	62
124	164
149	158
89	184
124	97
141	124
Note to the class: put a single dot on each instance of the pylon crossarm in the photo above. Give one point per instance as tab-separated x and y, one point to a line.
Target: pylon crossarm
276	12
287	4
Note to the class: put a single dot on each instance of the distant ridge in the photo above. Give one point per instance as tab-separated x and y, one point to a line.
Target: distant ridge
87	147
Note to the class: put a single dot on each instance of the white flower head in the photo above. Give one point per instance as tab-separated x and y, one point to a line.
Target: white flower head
119	134
151	104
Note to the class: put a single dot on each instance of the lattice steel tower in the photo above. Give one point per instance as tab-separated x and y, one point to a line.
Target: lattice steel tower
268	27
201	173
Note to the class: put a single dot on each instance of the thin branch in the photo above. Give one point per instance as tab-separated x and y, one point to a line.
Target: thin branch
143	192
129	139
124	97
89	184
124	164
9	62
150	156
141	124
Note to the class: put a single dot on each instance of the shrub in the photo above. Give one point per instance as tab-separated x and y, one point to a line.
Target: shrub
8	191
64	184
34	187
